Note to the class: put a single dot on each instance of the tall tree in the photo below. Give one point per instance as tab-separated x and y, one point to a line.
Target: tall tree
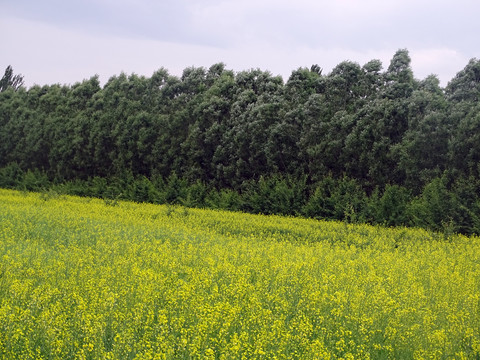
463	95
399	79
421	154
465	86
10	81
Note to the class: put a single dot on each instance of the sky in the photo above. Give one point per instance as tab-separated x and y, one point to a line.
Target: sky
67	41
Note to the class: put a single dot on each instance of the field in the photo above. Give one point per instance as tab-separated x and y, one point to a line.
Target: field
94	279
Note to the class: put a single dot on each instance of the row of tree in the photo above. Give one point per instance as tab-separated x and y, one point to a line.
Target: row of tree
380	129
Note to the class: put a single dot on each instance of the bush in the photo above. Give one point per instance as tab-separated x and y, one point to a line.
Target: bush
225	199
434	208
98	187
391	209
467	216
141	189
275	195
196	195
342	199
34	180
11	176
176	190
74	187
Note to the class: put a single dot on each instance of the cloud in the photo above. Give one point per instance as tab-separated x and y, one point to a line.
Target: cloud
356	24
443	62
67	41
56	55
166	20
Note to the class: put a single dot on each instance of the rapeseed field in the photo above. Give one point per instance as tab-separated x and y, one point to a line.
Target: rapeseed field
86	278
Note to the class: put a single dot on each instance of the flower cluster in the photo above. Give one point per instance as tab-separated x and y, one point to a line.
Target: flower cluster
83	279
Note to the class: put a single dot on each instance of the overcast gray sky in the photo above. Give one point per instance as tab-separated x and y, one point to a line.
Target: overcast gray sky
66	41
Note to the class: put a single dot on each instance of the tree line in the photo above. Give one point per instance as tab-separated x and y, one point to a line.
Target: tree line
360	143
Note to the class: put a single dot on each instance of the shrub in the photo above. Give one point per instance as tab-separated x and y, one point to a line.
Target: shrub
11	176
342	199
391	207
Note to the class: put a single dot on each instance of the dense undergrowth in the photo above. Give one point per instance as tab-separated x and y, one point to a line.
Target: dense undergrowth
445	204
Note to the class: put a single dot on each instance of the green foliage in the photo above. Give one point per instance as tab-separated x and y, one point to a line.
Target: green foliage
10	81
34	180
339	199
467	205
435	207
252	137
176	189
141	189
391	207
75	187
274	195
196	195
226	199
11	176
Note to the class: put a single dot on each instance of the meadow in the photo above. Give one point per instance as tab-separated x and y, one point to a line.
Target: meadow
84	278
